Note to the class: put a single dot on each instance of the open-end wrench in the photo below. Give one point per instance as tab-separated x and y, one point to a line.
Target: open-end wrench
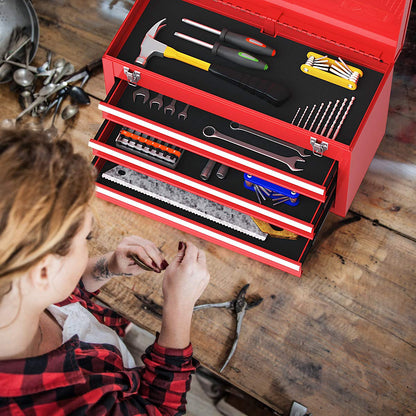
170	107
143	92
210	131
184	113
158	100
298	149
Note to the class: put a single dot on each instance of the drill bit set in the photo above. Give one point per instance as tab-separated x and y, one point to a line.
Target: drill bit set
325	120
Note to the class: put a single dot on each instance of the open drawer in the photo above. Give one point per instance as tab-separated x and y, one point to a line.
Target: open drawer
301	216
310	175
284	254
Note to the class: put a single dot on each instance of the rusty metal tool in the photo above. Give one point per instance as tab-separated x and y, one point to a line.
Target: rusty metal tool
239	305
298	149
158	100
170	108
184	113
265	89
144	92
290	161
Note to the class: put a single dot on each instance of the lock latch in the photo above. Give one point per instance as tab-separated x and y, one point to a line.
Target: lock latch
133	78
318	148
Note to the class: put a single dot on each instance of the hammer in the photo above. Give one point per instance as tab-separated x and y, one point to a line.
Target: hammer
267	90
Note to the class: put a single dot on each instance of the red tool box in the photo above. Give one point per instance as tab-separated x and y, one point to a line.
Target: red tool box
325	94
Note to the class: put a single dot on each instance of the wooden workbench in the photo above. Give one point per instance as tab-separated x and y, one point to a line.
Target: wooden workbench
342	339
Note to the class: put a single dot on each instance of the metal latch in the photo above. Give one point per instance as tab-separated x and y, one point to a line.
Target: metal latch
133	78
318	148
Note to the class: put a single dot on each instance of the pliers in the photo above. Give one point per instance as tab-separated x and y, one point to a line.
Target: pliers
239	305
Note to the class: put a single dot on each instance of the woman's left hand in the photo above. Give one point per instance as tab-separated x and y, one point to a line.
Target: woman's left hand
121	261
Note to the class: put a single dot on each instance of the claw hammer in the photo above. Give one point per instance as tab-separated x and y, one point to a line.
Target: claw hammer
268	90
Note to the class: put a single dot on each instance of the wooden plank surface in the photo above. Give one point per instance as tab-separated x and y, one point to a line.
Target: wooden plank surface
341	340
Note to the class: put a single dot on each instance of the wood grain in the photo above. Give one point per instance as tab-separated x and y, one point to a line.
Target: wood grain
340	340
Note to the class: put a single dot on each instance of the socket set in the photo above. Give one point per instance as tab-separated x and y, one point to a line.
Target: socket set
149	147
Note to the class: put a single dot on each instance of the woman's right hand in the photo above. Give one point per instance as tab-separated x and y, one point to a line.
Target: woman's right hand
184	280
186	277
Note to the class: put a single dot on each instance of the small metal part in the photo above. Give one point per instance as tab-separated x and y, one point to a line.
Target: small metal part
316	116
310	114
170	108
318	148
343	118
329	118
184	113
207	170
222	171
144	92
294	118
132	77
323	117
303	114
336	117
158	100
140	263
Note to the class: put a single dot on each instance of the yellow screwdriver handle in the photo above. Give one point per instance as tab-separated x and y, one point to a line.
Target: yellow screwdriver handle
179	56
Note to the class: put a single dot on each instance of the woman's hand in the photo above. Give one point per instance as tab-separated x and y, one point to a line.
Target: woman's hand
184	281
121	261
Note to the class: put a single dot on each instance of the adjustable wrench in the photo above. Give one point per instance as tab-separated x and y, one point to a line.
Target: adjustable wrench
298	149
210	131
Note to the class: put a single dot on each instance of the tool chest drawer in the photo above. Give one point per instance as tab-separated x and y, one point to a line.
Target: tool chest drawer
284	253
301	216
303	128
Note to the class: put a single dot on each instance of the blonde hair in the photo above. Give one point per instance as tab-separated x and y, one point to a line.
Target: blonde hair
45	190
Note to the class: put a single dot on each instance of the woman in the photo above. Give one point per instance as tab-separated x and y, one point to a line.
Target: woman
60	352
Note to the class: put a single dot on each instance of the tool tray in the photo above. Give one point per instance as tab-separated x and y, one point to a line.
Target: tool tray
330	177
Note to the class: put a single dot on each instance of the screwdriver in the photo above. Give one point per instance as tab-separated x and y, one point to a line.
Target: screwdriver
234	55
245	42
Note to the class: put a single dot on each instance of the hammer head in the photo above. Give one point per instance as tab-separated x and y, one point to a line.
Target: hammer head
150	46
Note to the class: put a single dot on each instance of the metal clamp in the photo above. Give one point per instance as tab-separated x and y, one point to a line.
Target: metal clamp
133	78
318	148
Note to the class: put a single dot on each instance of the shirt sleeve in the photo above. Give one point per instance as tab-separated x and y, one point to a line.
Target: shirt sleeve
104	315
166	378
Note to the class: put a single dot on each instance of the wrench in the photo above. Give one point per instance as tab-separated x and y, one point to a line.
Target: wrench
210	131
184	113
141	91
170	107
158	100
298	149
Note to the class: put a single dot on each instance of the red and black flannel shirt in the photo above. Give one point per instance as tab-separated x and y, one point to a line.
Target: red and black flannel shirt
80	378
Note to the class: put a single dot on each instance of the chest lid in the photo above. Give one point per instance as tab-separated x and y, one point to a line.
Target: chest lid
374	28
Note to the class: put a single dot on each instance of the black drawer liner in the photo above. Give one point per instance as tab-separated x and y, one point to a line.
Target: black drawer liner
191	164
284	67
319	170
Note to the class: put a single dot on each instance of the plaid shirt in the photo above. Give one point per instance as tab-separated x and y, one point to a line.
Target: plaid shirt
80	378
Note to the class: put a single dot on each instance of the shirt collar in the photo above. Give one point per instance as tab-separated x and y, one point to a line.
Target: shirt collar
58	368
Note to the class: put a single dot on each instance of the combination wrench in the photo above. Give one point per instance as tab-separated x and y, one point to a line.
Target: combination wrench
298	149
210	131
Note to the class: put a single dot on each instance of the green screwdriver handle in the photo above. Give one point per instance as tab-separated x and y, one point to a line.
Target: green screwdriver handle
239	57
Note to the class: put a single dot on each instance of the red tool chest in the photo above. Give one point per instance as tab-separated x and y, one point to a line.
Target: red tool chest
332	123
